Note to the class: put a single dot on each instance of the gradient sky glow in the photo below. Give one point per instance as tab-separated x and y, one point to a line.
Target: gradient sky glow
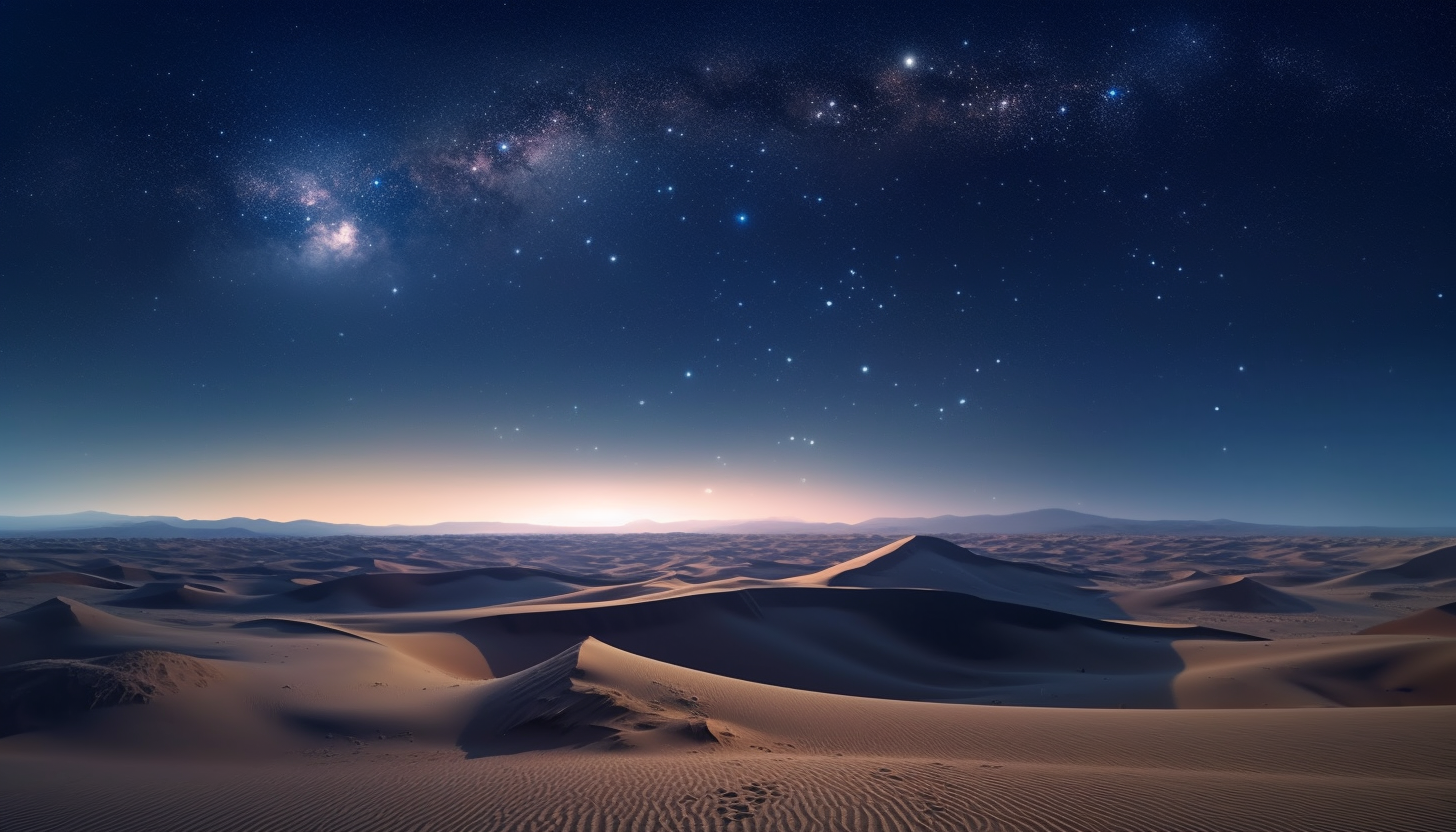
582	265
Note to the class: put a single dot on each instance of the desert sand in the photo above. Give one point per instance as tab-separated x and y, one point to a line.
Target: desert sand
626	682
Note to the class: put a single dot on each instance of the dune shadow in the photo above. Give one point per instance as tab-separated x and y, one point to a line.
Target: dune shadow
890	643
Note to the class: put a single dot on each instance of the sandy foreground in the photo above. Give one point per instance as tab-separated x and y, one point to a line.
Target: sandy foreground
728	682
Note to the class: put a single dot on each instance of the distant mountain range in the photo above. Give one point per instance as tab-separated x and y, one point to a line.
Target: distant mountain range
98	524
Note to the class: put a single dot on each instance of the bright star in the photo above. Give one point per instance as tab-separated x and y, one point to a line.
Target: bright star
864	369
909	61
742	218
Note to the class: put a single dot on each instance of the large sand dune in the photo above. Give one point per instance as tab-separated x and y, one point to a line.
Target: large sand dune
1232	594
1437	621
889	643
727	682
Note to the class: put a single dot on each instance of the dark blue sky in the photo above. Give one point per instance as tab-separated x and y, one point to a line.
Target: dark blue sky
533	262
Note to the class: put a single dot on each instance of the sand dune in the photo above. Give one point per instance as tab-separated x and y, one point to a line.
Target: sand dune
729	682
44	692
68	579
1344	671
1434	566
163	595
1231	593
891	643
436	590
550	705
923	562
64	628
292	626
1438	621
61	613
108	568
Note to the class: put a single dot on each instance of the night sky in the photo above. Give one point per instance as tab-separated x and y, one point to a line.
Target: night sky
533	262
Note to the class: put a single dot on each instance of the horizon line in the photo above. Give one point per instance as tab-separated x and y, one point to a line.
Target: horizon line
715	522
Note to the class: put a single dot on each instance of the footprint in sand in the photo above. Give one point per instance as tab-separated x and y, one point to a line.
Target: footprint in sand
744	802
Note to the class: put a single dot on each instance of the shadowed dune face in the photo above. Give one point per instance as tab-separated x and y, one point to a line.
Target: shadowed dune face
69	578
1438	621
396	589
45	692
922	562
889	643
1434	568
164	595
1436	565
1206	593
